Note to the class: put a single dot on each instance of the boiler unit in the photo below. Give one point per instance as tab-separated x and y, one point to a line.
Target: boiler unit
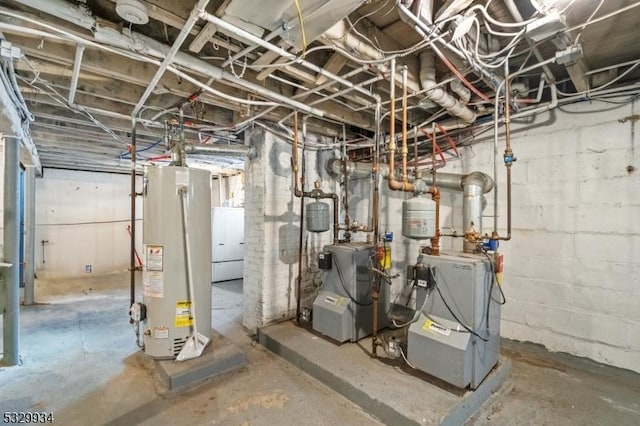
169	306
457	334
343	309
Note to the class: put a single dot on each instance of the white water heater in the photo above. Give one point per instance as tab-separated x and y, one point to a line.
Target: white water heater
169	313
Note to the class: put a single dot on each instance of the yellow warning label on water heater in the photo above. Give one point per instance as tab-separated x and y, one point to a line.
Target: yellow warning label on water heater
183	314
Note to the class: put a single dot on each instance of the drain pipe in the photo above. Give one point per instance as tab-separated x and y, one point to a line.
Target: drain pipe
438	94
11	252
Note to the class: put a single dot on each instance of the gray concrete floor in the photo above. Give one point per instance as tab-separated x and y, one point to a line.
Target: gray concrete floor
81	363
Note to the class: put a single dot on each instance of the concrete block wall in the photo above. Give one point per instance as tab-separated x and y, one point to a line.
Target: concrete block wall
572	269
84	217
272	220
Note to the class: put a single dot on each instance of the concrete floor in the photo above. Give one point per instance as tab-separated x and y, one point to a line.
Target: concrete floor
81	363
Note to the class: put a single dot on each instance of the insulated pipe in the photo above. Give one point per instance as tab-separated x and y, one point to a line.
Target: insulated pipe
184	32
77	64
463	93
30	234
220	150
250	38
341	36
438	94
11	252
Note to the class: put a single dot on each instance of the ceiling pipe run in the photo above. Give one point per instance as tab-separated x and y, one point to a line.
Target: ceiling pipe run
184	32
515	13
463	93
340	36
220	150
438	94
250	38
135	42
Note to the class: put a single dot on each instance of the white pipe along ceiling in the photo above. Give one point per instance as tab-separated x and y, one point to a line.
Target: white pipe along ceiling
230	65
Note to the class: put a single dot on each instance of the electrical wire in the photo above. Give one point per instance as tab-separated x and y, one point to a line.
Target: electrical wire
577	40
455	317
56	96
405	358
304	35
344	287
609	83
603	17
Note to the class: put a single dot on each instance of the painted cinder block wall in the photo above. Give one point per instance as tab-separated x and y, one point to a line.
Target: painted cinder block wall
272	219
572	269
84	216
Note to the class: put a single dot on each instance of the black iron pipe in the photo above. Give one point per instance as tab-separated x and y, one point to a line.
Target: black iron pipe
132	259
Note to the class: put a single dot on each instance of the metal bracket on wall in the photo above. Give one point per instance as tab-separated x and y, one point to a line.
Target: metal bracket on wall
43	243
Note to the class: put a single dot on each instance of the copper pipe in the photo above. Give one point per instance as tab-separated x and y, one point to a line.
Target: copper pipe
508	152
375	177
415	152
336	220
435	196
298	193
392	125
345	183
296	189
435	241
394	184
374	340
